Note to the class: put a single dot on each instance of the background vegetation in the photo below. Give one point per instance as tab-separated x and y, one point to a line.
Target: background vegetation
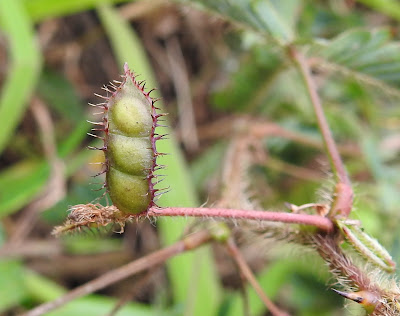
216	63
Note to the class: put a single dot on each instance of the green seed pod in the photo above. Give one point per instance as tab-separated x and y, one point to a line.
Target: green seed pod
129	123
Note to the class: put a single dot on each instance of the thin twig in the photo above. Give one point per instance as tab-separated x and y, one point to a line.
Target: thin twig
180	79
31	249
293	170
131	293
249	276
320	222
344	194
188	243
259	129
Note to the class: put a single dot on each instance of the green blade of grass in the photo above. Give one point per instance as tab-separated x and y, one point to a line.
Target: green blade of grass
23	181
41	290
20	183
191	281
44	9
12	289
24	70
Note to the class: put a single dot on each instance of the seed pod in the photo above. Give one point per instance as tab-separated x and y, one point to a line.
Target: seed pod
129	123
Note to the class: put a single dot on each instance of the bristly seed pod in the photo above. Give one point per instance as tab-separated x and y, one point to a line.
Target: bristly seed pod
129	123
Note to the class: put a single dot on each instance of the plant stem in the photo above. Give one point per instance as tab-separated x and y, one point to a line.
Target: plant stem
322	223
319	112
249	276
344	194
190	242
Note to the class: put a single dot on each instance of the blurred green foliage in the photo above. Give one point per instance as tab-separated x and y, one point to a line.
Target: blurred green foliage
356	49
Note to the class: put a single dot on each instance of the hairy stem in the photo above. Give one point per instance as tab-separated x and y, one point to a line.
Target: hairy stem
320	222
249	276
188	243
344	194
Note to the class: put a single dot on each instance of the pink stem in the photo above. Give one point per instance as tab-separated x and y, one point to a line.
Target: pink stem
319	112
305	219
344	193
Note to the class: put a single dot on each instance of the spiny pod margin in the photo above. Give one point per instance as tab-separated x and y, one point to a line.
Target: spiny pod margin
129	144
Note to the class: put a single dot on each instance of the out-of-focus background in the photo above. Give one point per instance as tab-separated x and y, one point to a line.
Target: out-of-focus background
219	67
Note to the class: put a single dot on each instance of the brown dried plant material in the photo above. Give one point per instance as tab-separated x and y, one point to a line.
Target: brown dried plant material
91	215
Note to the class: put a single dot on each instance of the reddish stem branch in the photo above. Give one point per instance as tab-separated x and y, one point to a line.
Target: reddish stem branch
319	112
249	276
344	194
322	223
188	243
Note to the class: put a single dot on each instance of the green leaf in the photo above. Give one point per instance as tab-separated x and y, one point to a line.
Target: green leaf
24	70
368	56
275	18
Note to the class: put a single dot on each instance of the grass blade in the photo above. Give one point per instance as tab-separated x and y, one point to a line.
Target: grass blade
24	70
44	9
